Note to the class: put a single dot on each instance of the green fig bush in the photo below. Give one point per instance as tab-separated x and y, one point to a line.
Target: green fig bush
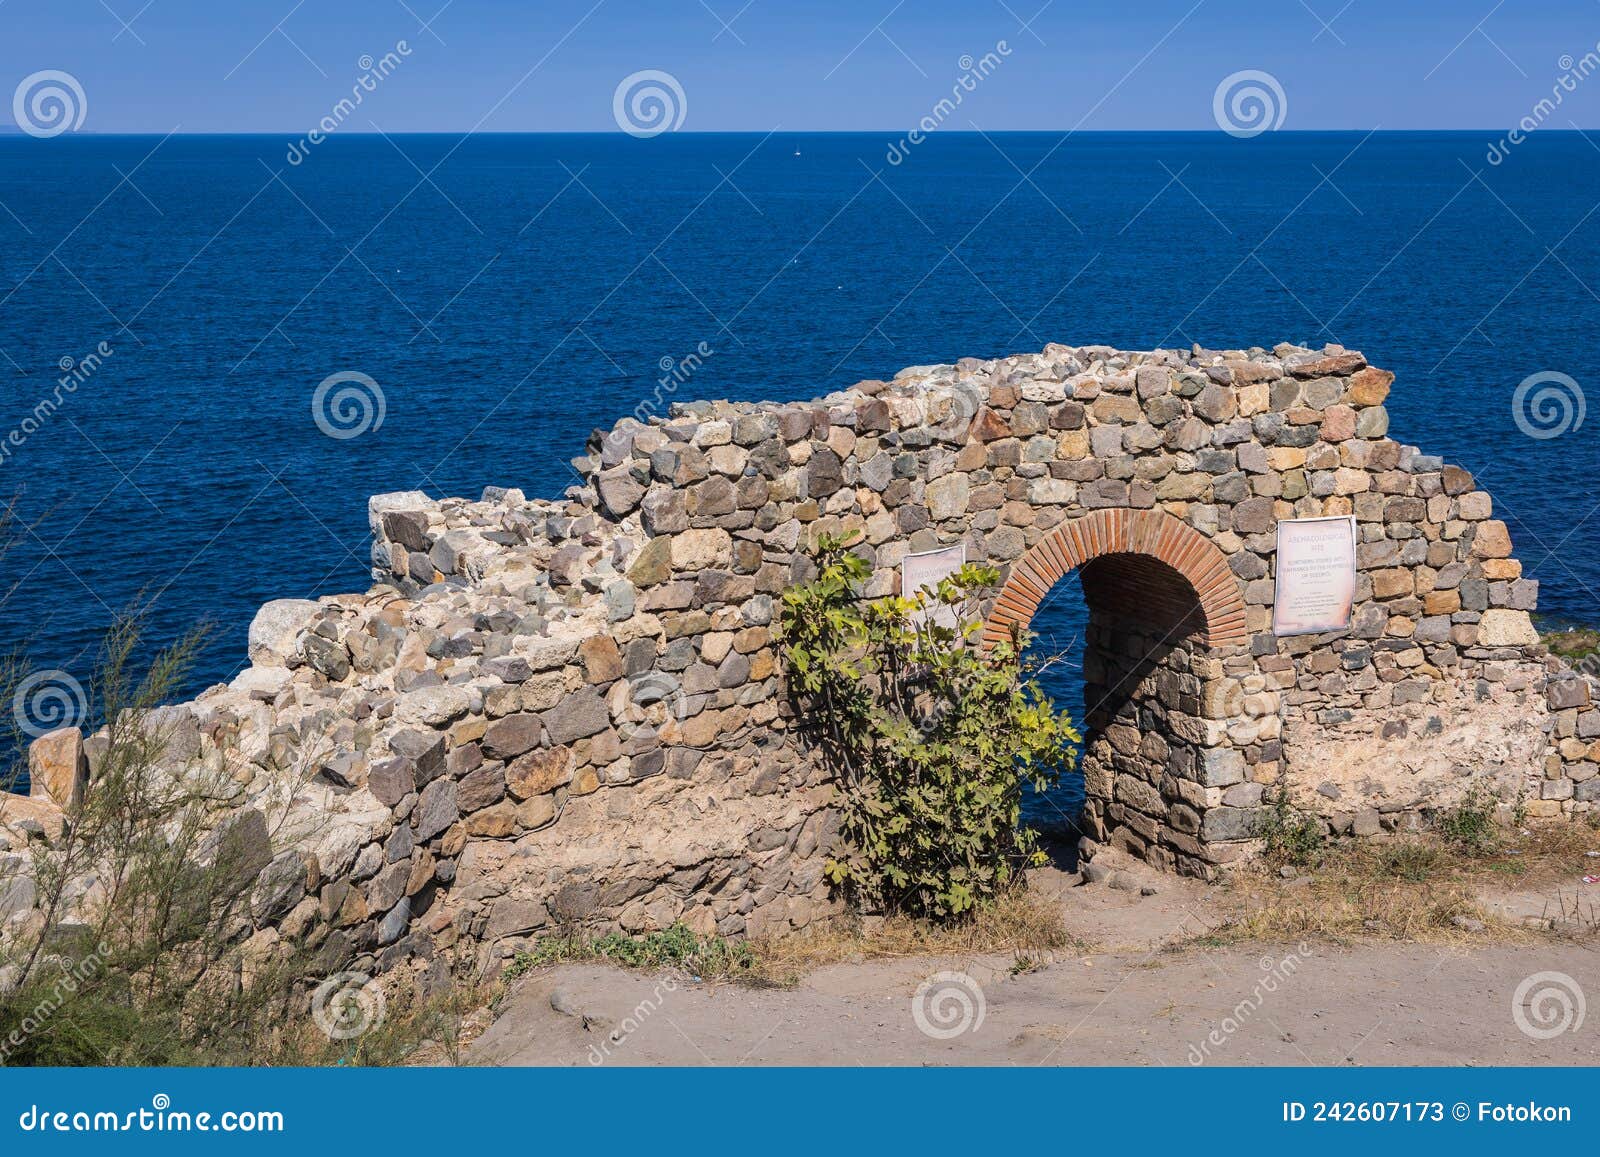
930	738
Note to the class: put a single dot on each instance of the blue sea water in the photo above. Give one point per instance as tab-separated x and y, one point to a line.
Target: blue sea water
510	293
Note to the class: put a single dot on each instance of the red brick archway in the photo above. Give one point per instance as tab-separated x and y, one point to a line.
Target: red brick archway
1127	540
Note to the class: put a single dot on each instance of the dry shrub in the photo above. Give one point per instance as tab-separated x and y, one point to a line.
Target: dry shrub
417	1029
143	948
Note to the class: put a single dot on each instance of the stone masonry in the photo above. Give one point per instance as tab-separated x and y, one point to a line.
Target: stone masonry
556	713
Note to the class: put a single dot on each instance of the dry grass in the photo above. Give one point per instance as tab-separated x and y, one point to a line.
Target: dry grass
679	947
1344	907
1415	888
1027	925
414	1029
1548	853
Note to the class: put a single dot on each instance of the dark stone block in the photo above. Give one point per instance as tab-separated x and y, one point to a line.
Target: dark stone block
391	780
425	750
510	736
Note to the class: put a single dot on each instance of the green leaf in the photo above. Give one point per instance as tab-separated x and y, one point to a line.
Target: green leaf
931	739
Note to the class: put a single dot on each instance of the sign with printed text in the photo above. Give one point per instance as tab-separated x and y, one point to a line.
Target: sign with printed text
925	569
1316	575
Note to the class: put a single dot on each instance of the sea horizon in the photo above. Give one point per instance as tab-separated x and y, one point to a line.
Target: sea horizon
951	132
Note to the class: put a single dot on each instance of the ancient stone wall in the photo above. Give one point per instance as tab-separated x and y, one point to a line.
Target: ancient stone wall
1162	476
548	713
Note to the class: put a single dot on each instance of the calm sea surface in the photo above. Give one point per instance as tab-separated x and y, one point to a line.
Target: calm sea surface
510	293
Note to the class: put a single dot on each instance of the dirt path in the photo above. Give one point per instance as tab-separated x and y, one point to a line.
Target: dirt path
1373	1005
1131	1000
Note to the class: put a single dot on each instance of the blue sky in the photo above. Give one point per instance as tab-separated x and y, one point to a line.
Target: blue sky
501	65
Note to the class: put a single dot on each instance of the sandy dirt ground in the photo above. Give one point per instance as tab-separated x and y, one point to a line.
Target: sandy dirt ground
1131	998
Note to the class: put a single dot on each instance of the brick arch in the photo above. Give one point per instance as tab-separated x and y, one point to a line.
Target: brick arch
1115	535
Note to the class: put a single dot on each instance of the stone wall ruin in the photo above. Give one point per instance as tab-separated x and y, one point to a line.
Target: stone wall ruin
548	713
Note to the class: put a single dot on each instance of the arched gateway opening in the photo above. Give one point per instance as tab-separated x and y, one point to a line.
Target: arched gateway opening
1165	612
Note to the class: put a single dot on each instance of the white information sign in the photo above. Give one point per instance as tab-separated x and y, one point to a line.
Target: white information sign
1316	578
925	569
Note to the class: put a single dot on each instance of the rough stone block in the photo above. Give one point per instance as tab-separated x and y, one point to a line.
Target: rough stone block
1221	766
1568	693
1229	823
510	736
1506	628
579	715
58	769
